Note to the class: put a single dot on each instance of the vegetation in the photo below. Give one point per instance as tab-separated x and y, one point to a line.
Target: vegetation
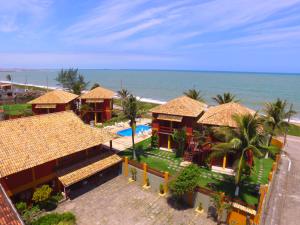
72	80
123	94
42	194
17	109
66	218
8	77
244	142
294	130
95	85
225	98
131	111
161	189
195	94
179	136
276	115
133	172
154	141
220	205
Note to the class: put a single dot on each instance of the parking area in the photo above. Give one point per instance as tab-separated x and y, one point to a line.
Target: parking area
117	202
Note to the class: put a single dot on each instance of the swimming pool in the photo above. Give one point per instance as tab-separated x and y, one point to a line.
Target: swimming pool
128	131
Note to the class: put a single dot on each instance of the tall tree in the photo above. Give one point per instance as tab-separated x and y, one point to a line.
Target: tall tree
123	94
225	98
180	137
276	116
131	111
195	94
72	80
8	77
95	85
244	142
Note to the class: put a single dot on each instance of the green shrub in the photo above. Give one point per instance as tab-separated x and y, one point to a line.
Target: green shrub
161	189
154	141
31	214
56	219
186	181
21	207
42	194
147	182
133	173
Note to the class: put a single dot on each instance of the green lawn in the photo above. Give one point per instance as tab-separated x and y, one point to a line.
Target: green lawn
17	109
294	130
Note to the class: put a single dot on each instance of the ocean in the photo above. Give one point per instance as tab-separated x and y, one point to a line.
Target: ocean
253	89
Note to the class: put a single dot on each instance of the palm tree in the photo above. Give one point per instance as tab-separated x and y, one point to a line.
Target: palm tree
195	94
225	98
244	142
131	111
95	85
123	93
8	77
276	115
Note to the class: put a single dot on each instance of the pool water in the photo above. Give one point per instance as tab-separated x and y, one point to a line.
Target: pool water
139	128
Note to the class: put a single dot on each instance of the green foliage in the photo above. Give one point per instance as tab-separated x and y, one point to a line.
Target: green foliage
17	109
95	85
200	207
72	80
56	219
161	189
225	98
154	141
133	172
42	194
31	214
186	181
220	205
179	136
8	77
195	94
21	207
123	94
294	130
147	182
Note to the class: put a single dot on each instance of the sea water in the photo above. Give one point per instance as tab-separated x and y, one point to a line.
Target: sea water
253	89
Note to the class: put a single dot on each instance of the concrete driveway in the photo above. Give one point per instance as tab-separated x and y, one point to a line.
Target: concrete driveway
117	202
284	204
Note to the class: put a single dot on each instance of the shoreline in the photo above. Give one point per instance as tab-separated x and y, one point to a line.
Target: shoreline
295	121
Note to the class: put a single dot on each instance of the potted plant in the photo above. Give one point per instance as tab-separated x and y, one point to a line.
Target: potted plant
199	209
161	190
133	172
147	185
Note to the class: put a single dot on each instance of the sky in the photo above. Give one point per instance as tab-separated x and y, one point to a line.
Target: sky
217	35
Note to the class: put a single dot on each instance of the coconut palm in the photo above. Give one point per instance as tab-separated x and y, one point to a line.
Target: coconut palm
195	94
123	94
131	111
95	85
225	98
276	115
244	142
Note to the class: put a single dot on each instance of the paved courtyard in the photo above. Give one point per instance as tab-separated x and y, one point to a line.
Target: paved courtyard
117	202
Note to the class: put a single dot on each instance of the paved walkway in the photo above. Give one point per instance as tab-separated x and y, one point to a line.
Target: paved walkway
284	204
117	202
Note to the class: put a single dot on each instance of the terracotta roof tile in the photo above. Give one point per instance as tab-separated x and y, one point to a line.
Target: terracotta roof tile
54	97
97	93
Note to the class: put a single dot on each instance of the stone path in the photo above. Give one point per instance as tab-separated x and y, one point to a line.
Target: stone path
173	164
117	202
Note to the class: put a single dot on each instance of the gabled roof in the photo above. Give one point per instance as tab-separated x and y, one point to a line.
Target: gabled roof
8	213
34	140
181	106
222	115
54	97
98	93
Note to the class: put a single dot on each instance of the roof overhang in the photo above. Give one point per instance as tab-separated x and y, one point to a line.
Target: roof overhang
94	101
45	106
86	169
167	117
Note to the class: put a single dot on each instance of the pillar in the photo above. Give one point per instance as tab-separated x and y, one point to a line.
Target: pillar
33	177
224	161
169	142
126	166
166	176
145	174
95	118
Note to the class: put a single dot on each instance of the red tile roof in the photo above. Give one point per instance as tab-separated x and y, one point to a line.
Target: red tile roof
8	214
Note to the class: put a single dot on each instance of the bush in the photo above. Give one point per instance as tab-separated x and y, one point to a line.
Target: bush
42	194
186	181
133	173
154	141
161	189
56	219
21	207
30	214
147	182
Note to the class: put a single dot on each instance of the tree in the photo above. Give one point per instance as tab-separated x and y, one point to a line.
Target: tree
72	80
220	205
225	98
244	142
179	136
194	94
123	94
95	85
186	181
276	115
131	111
8	77
42	194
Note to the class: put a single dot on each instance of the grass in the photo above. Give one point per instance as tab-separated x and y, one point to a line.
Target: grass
16	109
294	130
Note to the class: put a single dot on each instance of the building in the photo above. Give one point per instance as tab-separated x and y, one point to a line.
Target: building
6	93
181	112
223	116
97	105
56	149
54	101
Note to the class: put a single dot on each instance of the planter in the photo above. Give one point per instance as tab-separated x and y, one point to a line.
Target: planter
146	187
162	195
130	180
199	211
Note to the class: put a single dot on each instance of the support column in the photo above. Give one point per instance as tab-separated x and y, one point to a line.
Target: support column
166	176
126	166
169	142
145	174
224	161
33	177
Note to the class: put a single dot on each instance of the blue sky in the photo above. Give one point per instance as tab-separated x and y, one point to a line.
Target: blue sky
230	35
